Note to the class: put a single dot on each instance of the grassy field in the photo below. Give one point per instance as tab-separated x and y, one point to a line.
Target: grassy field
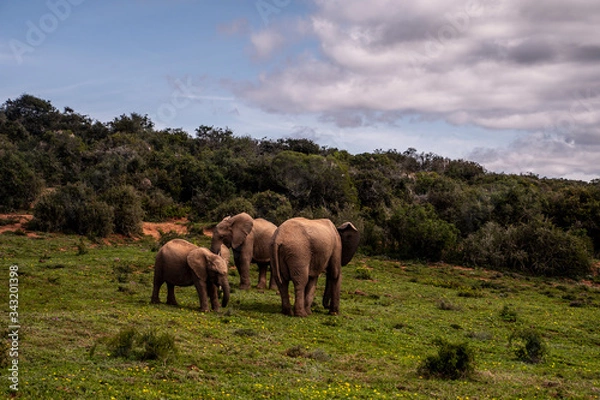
75	295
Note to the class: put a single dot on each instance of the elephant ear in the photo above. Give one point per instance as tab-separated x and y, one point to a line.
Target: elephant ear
216	264
241	227
198	262
350	239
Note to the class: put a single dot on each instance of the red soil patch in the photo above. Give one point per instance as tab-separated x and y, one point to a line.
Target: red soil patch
17	225
149	228
155	228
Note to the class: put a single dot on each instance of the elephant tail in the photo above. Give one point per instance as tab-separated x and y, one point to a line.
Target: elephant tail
275	268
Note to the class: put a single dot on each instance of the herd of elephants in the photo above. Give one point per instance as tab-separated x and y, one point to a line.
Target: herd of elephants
299	250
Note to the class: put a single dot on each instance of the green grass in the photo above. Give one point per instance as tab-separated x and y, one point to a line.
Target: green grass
73	302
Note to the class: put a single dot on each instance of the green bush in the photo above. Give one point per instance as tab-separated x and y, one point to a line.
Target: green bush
20	185
453	361
417	232
127	208
73	209
272	206
373	239
157	346
536	247
121	345
232	207
159	207
528	345
129	343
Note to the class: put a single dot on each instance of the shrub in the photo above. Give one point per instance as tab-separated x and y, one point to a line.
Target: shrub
121	345
20	186
418	232
73	209
272	206
373	239
536	247
131	344
158	207
530	346
232	207
127	208
157	346
453	361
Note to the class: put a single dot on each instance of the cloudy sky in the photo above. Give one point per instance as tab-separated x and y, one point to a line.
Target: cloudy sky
511	84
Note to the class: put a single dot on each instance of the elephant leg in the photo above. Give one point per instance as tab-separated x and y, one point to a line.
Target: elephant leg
299	306
155	299
335	289
213	293
309	294
242	263
171	295
202	294
286	306
327	293
272	280
262	275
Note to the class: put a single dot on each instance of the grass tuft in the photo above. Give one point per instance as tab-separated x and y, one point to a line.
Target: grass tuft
507	314
130	344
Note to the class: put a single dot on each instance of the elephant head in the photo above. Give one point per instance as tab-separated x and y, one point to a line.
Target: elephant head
350	239
232	232
210	267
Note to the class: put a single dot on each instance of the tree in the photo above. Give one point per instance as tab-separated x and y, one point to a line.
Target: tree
417	232
20	185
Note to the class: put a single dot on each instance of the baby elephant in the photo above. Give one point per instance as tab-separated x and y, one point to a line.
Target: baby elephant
181	263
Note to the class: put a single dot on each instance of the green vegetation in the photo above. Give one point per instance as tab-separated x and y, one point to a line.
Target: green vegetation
94	178
88	331
453	361
517	322
531	347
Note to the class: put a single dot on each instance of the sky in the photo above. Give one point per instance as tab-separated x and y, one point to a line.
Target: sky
511	84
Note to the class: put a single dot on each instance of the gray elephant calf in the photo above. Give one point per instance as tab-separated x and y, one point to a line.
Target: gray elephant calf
181	263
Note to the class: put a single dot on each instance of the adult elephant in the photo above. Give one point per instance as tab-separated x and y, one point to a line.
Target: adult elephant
181	263
250	241
303	249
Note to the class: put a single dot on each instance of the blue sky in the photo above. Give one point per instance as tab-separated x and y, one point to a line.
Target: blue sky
513	85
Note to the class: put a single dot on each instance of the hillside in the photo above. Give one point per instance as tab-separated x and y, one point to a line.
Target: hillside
96	178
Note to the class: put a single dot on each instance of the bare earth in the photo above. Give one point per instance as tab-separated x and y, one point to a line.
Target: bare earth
149	228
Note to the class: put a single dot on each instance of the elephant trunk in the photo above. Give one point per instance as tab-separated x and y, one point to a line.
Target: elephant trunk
225	288
215	246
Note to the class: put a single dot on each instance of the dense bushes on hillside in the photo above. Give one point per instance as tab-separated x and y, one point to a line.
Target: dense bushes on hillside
99	178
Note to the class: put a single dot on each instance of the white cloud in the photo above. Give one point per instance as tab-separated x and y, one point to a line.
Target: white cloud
265	42
497	64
